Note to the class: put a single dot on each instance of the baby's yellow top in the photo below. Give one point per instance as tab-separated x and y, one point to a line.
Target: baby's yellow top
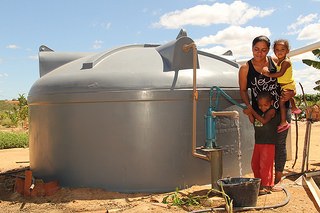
286	81
287	76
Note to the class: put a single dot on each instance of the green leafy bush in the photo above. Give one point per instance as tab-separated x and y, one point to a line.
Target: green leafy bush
14	113
10	140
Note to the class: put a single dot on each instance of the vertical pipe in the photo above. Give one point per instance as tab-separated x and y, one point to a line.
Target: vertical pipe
233	114
216	167
186	48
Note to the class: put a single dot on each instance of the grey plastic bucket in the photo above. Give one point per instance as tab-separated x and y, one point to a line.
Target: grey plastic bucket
243	191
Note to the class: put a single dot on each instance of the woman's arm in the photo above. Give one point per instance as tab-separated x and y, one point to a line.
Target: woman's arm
266	118
243	73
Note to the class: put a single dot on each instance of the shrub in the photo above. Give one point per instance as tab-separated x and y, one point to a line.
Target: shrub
13	140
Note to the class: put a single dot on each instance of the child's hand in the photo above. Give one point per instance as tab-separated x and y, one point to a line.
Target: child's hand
247	111
249	114
251	118
265	71
249	107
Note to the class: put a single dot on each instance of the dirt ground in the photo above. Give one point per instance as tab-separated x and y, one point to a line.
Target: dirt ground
299	198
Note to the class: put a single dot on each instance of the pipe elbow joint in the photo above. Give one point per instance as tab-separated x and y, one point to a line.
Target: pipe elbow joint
233	114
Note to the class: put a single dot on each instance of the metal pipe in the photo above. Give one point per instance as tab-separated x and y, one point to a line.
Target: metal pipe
232	114
211	118
211	125
186	48
304	49
216	166
292	53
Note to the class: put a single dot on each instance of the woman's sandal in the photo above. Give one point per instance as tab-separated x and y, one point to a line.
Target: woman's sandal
296	111
283	127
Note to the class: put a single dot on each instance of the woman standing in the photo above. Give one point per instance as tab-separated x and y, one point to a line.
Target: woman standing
250	76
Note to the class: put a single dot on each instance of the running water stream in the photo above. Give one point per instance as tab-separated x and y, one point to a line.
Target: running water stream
237	123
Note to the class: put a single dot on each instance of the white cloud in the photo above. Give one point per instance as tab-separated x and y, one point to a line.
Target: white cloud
307	27
97	44
298	58
3	75
218	50
303	20
234	38
156	12
310	32
237	13
307	77
33	57
207	0
106	25
152	12
12	46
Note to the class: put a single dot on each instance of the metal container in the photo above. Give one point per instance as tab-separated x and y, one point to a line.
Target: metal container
122	119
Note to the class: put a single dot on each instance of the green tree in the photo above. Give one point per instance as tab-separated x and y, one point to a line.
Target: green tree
315	64
19	113
23	108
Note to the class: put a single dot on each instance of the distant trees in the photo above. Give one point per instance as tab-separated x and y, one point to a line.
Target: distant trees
16	114
309	100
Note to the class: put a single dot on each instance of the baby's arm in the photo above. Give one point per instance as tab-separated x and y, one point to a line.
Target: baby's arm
284	66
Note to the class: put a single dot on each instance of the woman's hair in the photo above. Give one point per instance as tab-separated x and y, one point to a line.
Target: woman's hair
261	38
283	41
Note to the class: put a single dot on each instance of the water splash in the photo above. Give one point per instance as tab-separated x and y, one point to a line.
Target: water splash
237	123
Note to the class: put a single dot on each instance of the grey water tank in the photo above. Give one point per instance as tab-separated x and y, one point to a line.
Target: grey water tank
122	119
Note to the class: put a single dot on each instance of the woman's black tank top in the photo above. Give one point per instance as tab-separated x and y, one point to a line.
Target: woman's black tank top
258	82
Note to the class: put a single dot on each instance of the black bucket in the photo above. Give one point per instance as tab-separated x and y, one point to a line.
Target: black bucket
243	191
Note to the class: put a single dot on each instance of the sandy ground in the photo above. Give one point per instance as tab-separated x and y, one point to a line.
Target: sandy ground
97	200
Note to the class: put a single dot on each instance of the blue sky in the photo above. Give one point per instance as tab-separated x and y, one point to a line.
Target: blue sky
98	25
